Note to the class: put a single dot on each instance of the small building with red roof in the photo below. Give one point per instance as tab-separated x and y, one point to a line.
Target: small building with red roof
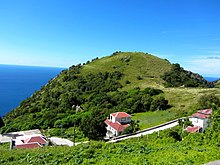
193	129
29	145
30	141
116	123
200	120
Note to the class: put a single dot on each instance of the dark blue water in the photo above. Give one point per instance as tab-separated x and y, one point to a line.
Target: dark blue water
19	82
211	79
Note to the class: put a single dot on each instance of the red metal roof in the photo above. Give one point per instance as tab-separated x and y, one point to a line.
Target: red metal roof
120	114
203	114
206	111
200	115
28	145
39	139
117	126
193	129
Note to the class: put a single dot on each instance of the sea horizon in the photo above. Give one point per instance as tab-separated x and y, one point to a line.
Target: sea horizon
18	82
40	66
211	79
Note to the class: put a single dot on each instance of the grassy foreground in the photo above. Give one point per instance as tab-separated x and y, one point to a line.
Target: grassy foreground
144	150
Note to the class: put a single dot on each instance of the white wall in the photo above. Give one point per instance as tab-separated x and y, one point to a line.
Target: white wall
112	118
199	122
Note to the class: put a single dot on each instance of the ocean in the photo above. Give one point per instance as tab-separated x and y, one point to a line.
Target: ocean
19	82
210	79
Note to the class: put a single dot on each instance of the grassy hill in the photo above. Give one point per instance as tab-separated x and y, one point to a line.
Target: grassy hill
141	69
102	86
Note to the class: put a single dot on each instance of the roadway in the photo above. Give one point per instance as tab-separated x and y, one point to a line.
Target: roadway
151	130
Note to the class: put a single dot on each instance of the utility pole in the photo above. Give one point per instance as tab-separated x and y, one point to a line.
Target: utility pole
74	134
183	128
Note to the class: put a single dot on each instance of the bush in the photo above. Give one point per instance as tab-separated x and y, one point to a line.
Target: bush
127	82
139	78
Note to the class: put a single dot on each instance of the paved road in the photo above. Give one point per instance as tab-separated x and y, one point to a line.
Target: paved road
147	131
61	141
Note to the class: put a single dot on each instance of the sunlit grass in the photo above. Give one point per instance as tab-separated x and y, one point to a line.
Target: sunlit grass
147	66
149	119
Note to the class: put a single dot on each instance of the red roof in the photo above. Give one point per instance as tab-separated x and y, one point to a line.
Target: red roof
206	111
28	145
200	115
203	114
120	114
117	126
38	139
193	129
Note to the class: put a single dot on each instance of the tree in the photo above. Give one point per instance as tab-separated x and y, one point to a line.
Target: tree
159	103
208	101
1	122
134	127
93	125
177	77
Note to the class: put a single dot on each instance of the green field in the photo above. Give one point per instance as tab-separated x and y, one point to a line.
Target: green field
149	119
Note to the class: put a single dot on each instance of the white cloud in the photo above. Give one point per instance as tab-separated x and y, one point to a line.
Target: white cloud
205	66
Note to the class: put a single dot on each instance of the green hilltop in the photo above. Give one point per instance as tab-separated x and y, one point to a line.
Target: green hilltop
135	66
124	81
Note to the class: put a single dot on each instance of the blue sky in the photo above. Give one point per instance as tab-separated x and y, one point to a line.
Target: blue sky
66	32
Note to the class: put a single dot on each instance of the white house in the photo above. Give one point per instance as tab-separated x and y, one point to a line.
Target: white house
200	120
27	139
30	141
116	123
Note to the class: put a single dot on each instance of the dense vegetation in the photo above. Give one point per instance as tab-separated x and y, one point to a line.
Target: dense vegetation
170	147
178	77
217	83
55	108
1	122
84	95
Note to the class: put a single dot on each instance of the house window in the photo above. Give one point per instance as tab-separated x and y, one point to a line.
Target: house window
123	119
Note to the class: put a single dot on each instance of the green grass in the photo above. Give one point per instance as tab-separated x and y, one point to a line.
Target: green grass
186	99
217	84
150	119
147	66
143	150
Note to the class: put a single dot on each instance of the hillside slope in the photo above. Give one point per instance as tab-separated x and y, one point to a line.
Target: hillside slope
141	69
217	83
119	82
